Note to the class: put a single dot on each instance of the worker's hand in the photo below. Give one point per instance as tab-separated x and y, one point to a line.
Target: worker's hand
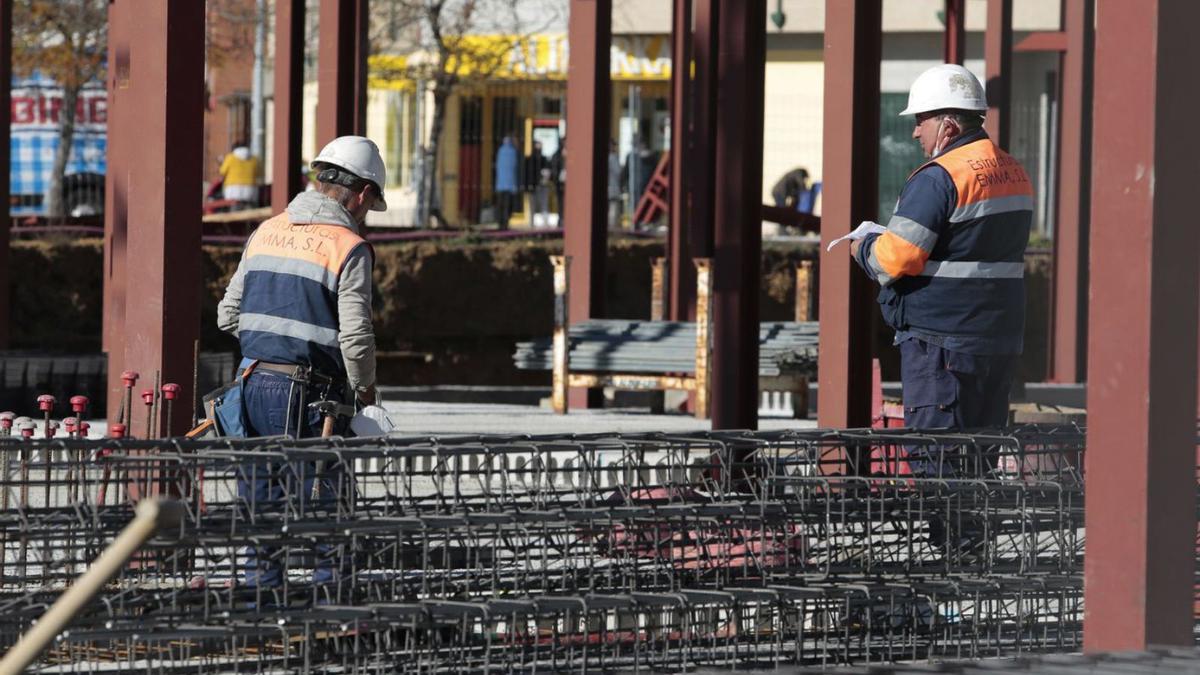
367	397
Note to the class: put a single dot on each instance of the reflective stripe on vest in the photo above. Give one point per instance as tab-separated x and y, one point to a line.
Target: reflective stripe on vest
987	179
289	302
312	251
972	283
989	182
974	270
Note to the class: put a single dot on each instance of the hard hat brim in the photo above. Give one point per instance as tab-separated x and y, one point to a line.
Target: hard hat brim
917	110
380	204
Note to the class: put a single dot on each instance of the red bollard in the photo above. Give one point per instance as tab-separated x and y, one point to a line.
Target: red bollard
148	399
27	428
79	404
71	424
130	378
83	429
6	422
116	431
46	405
170	392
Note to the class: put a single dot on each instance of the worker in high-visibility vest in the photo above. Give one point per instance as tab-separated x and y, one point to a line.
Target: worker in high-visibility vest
951	267
300	306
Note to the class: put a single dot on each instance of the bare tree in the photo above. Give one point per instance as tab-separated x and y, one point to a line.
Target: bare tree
463	43
229	31
65	40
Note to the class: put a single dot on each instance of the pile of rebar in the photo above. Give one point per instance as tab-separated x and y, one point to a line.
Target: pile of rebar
604	552
623	346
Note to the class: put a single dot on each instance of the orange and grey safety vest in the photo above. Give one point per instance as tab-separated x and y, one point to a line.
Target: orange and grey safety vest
289	311
952	260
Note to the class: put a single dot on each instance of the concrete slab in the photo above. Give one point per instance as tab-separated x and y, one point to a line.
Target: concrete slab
433	418
459	418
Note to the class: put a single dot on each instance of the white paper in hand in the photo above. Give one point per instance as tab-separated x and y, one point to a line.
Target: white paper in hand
372	420
864	228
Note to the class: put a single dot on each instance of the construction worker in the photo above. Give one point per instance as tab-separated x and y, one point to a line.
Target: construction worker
951	266
300	306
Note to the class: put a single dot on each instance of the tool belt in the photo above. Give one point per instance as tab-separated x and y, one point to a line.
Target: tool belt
227	408
303	374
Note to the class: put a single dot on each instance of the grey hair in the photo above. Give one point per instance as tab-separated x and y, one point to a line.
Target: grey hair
339	193
967	120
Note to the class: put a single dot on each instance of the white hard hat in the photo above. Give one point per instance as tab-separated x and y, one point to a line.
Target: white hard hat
359	156
945	87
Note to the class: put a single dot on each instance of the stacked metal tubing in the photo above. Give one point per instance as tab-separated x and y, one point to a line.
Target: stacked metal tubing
605	552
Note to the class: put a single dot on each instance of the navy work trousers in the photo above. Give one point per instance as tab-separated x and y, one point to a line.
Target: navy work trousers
945	389
273	489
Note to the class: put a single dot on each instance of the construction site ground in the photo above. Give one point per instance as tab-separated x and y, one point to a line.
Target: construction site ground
473	418
419	418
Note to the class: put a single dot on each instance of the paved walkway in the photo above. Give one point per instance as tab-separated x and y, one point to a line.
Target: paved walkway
458	418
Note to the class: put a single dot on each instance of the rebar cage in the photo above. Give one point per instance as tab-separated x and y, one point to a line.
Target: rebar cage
565	553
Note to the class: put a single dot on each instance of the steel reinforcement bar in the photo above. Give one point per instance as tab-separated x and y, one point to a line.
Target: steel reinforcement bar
568	552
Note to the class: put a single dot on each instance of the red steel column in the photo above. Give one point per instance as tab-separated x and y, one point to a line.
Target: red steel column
681	289
165	104
1068	326
289	93
336	69
737	232
1141	465
585	233
703	130
853	47
116	198
997	57
6	33
362	49
955	46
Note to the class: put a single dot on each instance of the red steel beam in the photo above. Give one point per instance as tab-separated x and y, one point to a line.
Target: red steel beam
997	57
1141	464
165	104
6	34
1044	41
5	283
289	94
1068	324
585	232
681	289
116	198
955	43
362	49
337	72
705	39
737	232
853	48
